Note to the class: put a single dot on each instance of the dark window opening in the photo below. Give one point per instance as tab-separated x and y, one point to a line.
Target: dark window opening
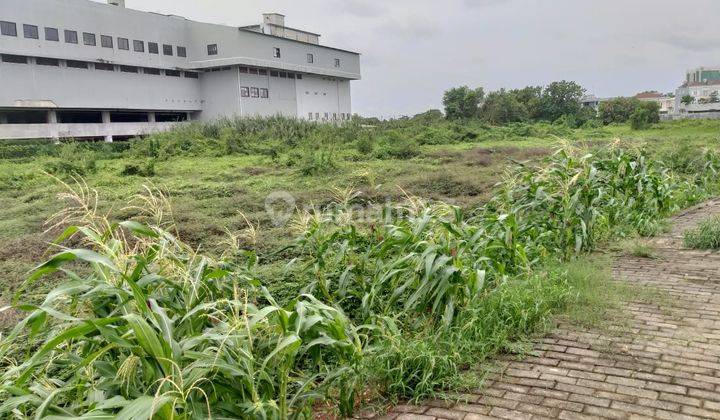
128	69
283	75
243	69
104	67
152	71
8	28
40	61
171	117
254	92
337	62
152	47
79	117
262	72
310	58
298	76
212	49
138	46
273	73
192	75
76	64
245	92
264	93
172	73
276	52
253	71
181	52
123	44
167	49
51	34
291	75
106	41
26	117
30	31
128	117
71	37
15	59
89	39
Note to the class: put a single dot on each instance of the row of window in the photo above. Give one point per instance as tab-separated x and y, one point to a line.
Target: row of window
90	39
316	116
253	92
73	64
107	41
311	59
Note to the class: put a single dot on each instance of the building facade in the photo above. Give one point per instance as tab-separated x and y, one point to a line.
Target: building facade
78	68
665	102
702	87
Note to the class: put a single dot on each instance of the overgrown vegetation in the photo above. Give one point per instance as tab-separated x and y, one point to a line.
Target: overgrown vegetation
706	235
139	322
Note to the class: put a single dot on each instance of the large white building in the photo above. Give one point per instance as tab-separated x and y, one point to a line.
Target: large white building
78	68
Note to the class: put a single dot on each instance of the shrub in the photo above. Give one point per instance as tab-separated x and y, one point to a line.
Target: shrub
393	145
705	236
146	169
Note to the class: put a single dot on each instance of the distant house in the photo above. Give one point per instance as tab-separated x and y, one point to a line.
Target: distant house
666	102
703	84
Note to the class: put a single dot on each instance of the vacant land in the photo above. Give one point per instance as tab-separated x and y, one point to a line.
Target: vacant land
214	188
400	307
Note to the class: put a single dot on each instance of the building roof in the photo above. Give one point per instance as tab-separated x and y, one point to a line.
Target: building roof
649	95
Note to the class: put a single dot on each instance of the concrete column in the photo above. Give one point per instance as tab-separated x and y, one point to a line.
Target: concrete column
106	124
53	123
151	117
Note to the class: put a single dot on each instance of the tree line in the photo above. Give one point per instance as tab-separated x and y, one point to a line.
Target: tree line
557	102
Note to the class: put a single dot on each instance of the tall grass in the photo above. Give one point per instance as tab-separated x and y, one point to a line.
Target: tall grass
144	326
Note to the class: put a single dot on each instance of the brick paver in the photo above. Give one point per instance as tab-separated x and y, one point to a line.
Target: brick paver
665	364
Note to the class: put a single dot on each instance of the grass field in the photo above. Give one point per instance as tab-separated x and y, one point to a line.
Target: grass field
510	226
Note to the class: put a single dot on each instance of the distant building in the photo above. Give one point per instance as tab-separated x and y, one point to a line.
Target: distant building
78	68
666	102
703	85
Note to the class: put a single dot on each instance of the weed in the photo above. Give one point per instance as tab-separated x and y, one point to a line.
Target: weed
706	235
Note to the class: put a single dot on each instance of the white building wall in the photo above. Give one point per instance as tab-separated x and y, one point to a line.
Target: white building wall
322	97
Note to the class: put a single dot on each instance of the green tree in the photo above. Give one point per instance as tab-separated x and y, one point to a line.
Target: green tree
617	110
462	102
645	113
687	99
560	98
530	97
502	107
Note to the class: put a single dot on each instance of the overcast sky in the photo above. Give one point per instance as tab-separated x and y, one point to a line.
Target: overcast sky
413	50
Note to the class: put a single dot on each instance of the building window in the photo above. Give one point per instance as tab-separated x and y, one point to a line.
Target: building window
172	73
153	47
8	28
181	52
309	115
310	58
167	49
89	39
212	49
291	75
276	52
254	92
337	62
298	76
326	116
76	64
273	73
123	44
152	71
264	93
192	75
317	116
71	37
243	69
138	46
106	41
283	75
15	59
104	67
262	72
245	92
128	69
30	31
51	34
53	62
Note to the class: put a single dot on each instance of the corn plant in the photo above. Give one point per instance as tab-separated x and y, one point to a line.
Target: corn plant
147	328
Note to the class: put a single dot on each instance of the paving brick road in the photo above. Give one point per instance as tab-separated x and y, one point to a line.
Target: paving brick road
665	364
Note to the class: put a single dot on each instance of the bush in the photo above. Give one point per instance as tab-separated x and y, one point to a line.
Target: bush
393	145
705	236
146	169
